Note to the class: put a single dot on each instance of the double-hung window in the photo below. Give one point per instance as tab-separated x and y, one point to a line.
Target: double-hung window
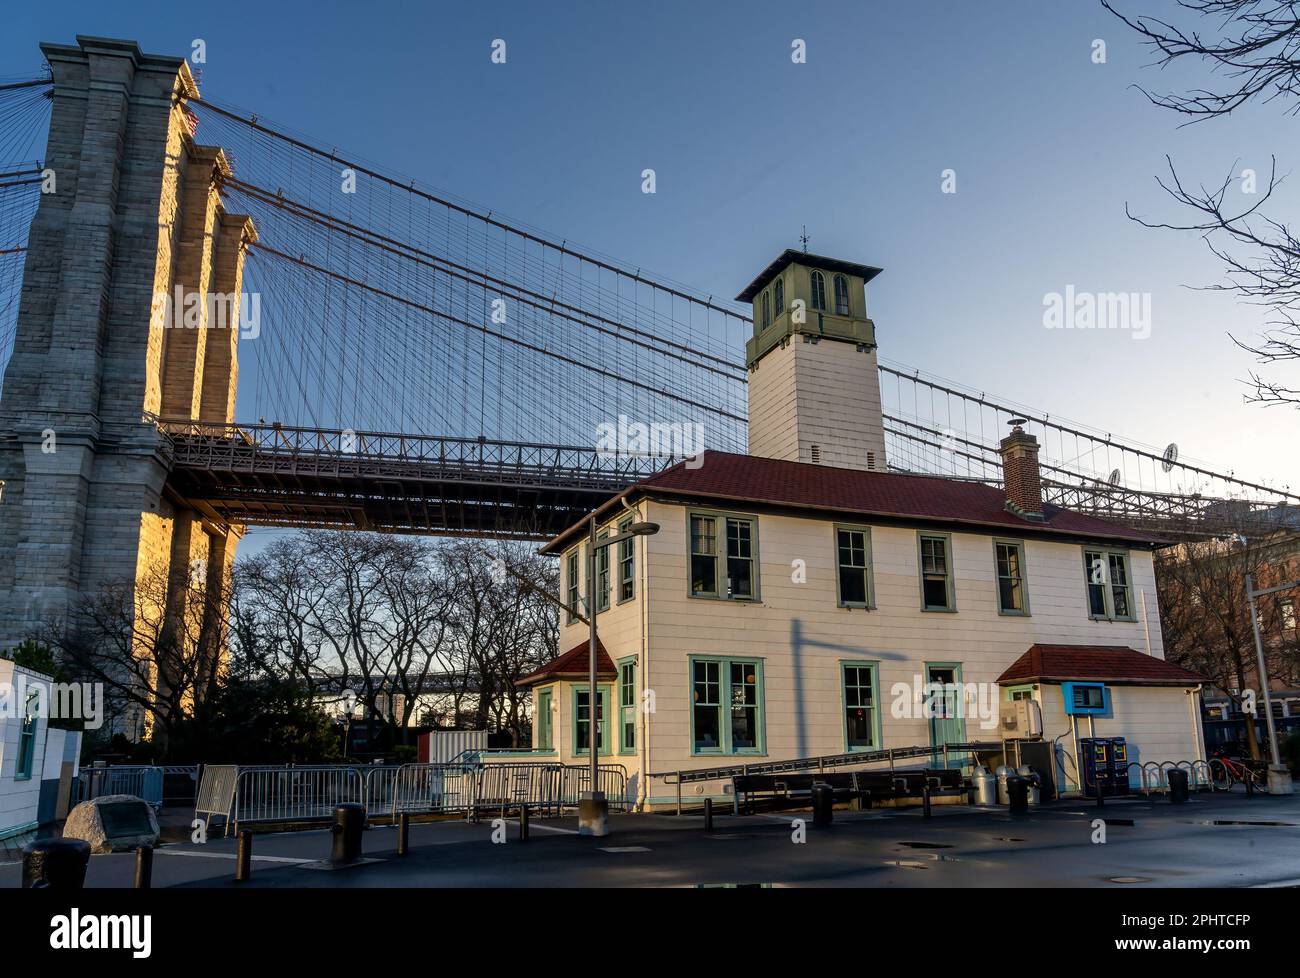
627	706
853	566
571	584
841	296
726	706
936	572
817	286
602	575
582	720
626	565
545	738
728	538
1013	598
861	715
1110	591
27	739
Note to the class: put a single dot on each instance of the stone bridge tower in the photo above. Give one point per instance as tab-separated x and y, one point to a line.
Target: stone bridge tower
134	220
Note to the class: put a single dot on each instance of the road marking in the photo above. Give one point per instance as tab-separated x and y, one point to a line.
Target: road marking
230	855
552	828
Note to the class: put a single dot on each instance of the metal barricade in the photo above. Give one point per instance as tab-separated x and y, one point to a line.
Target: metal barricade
145	781
216	793
294	794
433	789
380	785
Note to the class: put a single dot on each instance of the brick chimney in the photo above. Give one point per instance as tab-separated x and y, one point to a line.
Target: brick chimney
1020	477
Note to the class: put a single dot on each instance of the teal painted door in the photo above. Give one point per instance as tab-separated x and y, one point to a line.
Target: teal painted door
946	723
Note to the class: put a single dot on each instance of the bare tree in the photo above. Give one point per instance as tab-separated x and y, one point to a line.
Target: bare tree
1205	614
1252	50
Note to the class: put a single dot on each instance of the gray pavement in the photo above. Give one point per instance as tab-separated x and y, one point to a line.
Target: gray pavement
1165	845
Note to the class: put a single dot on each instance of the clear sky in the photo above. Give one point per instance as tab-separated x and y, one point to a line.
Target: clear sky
1047	147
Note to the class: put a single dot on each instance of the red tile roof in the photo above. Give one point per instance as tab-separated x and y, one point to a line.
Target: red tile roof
574	665
1096	663
865	495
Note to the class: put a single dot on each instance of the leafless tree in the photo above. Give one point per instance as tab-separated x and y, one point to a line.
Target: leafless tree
1252	50
1205	613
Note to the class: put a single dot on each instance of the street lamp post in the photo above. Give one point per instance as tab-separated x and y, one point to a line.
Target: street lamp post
1279	778
593	807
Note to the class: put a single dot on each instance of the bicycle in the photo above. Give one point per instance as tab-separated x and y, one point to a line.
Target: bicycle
1225	772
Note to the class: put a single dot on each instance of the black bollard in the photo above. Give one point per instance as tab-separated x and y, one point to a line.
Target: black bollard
403	834
349	823
708	814
1177	787
823	804
143	868
56	864
1017	795
925	801
523	823
244	856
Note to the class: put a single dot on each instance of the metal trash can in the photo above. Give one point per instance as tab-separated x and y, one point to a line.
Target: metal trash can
349	823
985	787
57	864
1035	793
1017	794
1002	772
1177	786
823	803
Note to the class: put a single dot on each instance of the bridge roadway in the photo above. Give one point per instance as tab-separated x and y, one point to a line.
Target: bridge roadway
278	475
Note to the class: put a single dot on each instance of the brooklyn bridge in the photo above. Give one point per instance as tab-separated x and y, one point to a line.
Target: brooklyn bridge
209	321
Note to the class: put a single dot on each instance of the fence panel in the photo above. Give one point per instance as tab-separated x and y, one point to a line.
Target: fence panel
295	794
142	780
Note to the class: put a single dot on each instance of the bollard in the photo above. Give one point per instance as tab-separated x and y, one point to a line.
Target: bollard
1101	796
925	801
349	822
708	814
1017	795
56	864
523	823
244	856
1177	787
823	801
403	834
143	868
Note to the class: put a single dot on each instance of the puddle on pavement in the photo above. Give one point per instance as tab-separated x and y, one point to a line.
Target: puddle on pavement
926	845
1007	838
1226	821
1129	879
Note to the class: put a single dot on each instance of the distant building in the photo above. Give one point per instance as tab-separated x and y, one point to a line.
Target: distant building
803	600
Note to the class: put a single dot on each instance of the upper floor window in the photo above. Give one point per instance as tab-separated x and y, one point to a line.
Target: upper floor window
818	282
1010	560
853	563
767	311
627	705
936	573
1109	588
728	537
841	296
571	584
27	739
1288	614
778	297
626	565
602	575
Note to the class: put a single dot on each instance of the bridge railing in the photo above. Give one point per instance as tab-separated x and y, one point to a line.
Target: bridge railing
205	442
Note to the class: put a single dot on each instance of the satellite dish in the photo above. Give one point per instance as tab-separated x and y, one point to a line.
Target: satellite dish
1169	457
1114	477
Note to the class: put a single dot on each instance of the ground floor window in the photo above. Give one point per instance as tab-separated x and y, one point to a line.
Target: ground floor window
861	712
27	740
582	719
545	738
726	706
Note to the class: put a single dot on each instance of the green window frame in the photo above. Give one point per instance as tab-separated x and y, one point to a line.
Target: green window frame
1108	582
572	584
1011	580
934	562
627	705
581	721
1024	691
860	705
854	587
545	739
602	574
727	715
722	544
626	565
27	740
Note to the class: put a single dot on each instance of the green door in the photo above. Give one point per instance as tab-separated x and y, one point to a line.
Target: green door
947	725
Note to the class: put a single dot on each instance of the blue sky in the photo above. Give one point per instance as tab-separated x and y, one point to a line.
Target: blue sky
747	147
